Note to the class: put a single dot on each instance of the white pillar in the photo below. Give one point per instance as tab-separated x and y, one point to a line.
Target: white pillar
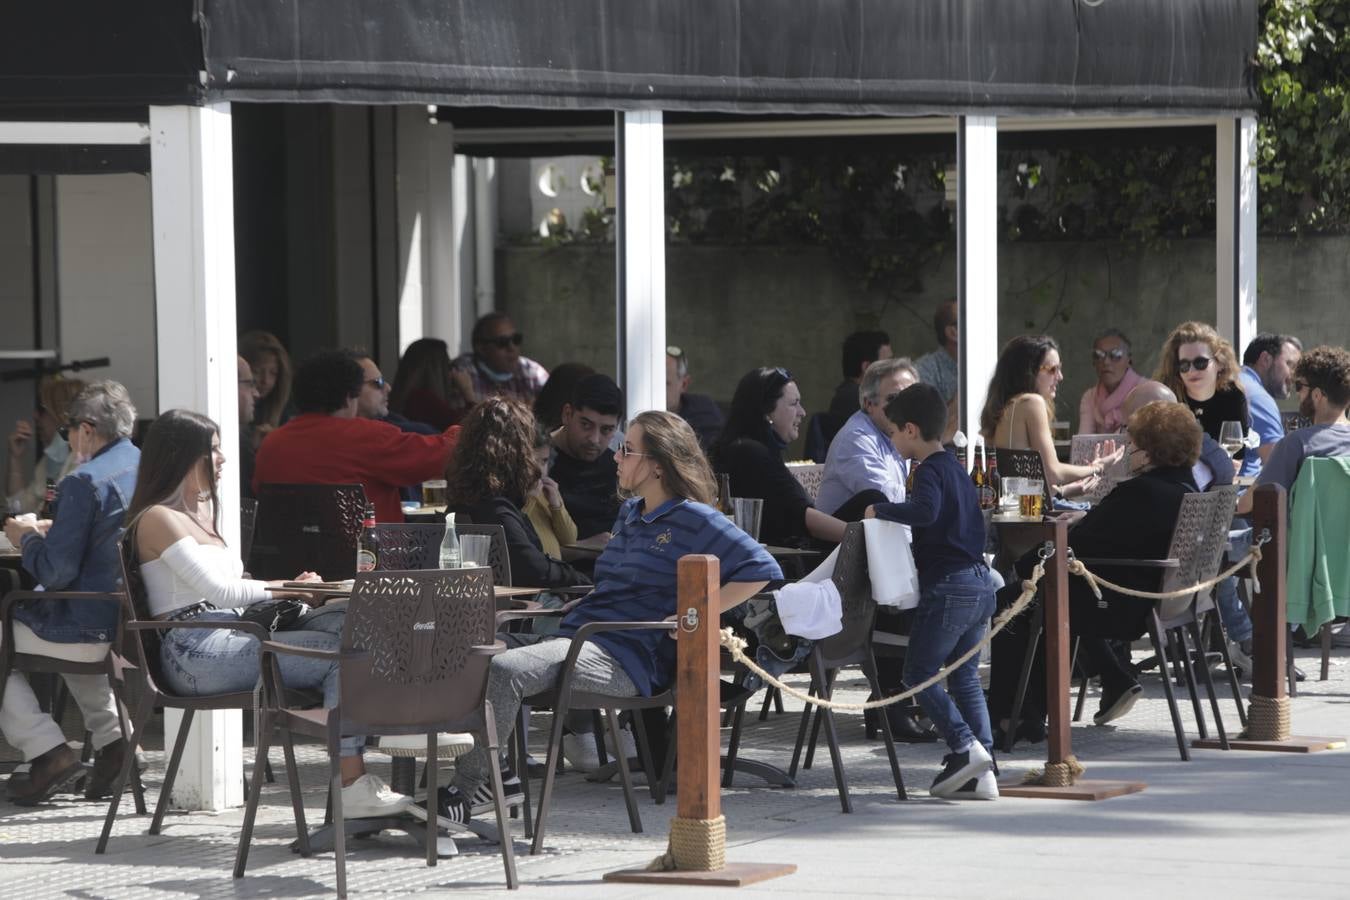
485	234
977	261
1235	229
462	236
192	201
429	303
641	260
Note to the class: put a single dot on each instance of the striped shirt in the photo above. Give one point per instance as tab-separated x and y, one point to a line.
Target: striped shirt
636	580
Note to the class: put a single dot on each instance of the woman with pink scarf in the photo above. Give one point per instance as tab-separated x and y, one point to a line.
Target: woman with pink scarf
1099	412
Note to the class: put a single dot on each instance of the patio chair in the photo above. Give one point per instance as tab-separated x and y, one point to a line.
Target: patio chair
134	668
395	677
563	698
34	663
1023	464
851	646
1199	538
409	547
307	526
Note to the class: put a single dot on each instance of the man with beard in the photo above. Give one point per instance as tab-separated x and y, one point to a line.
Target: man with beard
583	465
1322	380
1267	376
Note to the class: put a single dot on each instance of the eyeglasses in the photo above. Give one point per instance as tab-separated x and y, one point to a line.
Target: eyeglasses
504	341
625	451
1200	364
377	383
1300	385
782	373
1053	370
1115	353
72	425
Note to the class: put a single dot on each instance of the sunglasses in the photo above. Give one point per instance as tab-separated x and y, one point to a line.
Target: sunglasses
70	426
625	451
1116	353
1052	370
377	383
1200	364
504	342
1300	385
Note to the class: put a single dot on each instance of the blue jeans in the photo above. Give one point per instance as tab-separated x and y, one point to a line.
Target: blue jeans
951	617
216	661
1234	616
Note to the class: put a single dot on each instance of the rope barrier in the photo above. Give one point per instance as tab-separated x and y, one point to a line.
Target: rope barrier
1268	719
695	845
1097	582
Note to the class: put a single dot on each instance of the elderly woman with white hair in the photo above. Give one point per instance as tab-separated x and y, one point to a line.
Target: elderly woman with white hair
77	550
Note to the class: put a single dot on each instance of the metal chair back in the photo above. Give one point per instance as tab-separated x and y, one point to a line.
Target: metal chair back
307	527
1199	540
409	547
499	557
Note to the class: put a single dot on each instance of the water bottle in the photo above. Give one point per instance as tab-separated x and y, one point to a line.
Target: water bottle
450	544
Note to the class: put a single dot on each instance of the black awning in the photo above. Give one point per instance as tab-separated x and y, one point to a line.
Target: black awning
852	57
92	54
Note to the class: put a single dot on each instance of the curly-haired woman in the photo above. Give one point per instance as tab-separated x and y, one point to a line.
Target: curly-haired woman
1201	368
489	480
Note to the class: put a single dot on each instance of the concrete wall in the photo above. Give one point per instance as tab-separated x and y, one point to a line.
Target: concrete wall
732	308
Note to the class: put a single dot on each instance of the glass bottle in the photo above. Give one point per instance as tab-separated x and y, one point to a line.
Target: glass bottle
48	508
724	495
368	545
450	558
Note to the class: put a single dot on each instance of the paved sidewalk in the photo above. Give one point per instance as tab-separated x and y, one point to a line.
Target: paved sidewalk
1226	824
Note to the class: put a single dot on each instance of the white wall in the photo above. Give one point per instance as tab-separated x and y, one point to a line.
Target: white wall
107	282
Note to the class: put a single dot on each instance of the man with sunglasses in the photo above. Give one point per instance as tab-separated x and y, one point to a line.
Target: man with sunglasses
496	366
1100	410
76	551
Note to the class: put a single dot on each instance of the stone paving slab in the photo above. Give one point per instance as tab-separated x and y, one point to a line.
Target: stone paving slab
1235	824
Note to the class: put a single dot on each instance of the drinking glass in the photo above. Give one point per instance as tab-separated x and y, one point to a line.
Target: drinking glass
434	492
1230	437
474	549
746	514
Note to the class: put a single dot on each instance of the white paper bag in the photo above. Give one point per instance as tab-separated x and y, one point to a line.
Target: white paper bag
890	564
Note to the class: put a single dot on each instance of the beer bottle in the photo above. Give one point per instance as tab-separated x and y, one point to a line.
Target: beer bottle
48	508
981	481
724	495
909	479
994	486
368	545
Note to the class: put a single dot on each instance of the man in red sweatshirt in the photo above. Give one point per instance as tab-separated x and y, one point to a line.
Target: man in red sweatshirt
329	443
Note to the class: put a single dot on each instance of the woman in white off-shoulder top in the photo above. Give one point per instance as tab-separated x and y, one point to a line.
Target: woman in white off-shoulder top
189	574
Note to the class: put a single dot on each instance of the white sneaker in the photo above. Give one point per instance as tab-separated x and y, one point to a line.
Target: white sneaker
579	749
368	797
983	788
449	746
958	768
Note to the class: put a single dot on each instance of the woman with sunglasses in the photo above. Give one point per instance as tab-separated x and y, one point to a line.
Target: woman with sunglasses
766	415
1201	368
1020	406
1099	412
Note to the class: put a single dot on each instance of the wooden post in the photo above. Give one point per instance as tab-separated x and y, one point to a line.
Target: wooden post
1058	665
698	742
1058	678
1270	629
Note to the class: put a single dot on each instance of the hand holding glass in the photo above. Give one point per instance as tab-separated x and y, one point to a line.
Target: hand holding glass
1230	437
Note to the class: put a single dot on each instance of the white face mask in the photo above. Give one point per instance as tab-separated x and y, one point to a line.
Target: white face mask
57	450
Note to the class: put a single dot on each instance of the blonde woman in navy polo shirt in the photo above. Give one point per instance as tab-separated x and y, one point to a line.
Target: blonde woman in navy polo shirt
667	515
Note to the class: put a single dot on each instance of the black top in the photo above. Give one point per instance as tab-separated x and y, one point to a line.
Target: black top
247	460
1227	405
530	565
757	471
590	490
702	414
944	512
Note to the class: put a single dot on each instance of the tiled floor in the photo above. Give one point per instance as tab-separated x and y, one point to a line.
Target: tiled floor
1237	824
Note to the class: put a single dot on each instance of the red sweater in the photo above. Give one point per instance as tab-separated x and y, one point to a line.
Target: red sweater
315	448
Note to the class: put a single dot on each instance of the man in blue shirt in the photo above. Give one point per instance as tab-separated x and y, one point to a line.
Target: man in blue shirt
1267	375
76	551
862	466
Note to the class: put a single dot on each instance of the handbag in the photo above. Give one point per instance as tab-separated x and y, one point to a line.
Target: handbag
276	614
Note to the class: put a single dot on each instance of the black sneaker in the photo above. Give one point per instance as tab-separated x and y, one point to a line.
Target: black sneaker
1114	705
958	768
482	801
453	809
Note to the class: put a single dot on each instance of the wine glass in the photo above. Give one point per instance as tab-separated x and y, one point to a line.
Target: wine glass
1230	437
